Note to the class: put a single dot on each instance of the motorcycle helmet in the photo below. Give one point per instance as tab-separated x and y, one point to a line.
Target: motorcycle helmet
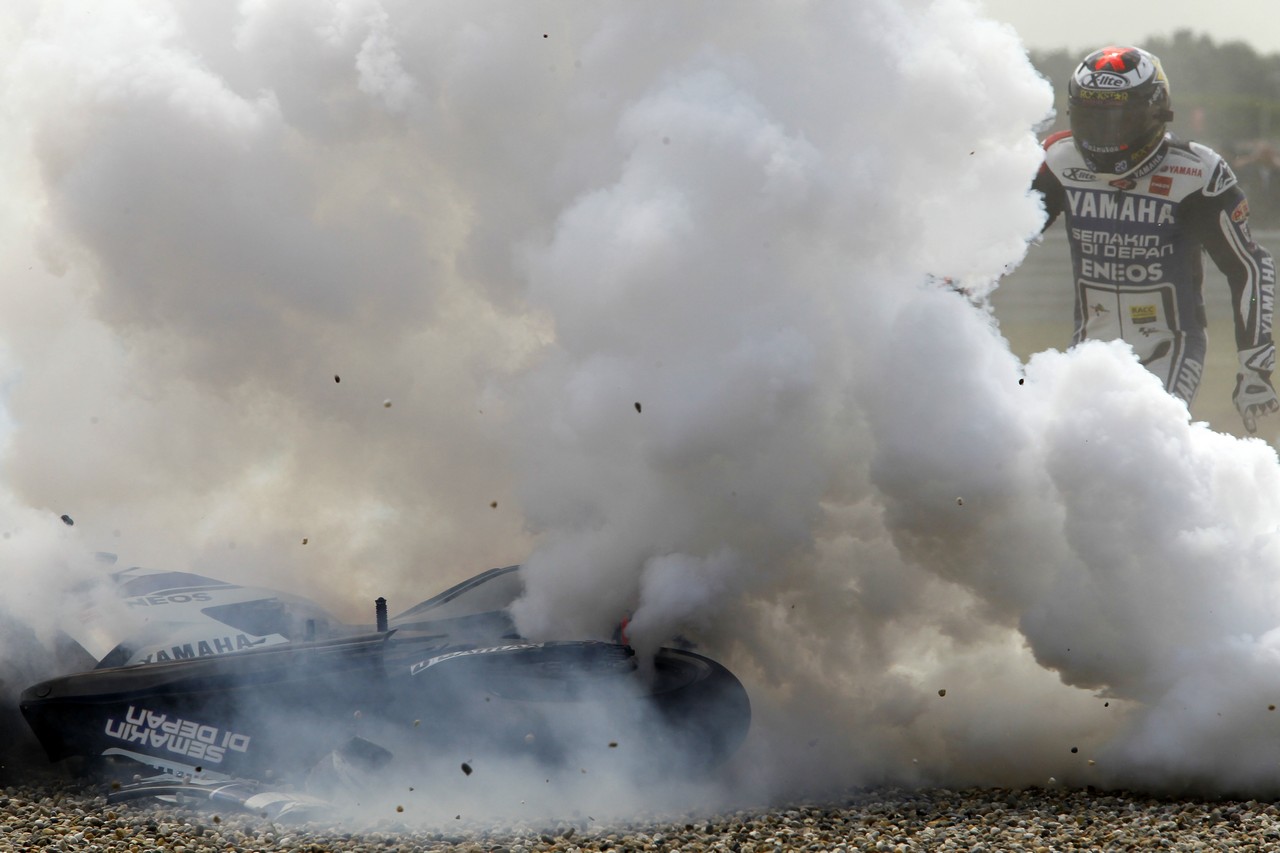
1118	105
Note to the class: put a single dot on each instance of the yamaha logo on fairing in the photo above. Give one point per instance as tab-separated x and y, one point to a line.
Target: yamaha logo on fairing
1075	173
206	648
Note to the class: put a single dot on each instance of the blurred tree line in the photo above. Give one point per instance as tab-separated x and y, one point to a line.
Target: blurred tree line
1225	95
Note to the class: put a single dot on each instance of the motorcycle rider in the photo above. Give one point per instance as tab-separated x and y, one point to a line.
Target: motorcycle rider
1140	206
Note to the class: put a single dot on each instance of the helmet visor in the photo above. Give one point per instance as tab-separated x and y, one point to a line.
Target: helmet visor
1109	129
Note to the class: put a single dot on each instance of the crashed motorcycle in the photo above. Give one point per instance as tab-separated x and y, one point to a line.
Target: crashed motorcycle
222	683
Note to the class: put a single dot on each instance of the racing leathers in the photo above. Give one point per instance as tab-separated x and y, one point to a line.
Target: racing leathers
1137	245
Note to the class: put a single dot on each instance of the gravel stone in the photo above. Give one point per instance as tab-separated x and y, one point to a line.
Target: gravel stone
56	816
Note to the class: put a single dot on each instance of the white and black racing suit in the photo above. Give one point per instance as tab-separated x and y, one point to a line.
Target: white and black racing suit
1137	247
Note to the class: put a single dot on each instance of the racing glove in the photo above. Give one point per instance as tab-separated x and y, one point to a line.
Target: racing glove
1254	397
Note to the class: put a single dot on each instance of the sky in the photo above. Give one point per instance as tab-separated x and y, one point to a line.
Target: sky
1084	24
360	298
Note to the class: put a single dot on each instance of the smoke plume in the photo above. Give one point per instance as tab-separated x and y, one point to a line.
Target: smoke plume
360	298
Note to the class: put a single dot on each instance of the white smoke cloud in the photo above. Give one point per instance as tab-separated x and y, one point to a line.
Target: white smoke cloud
632	294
